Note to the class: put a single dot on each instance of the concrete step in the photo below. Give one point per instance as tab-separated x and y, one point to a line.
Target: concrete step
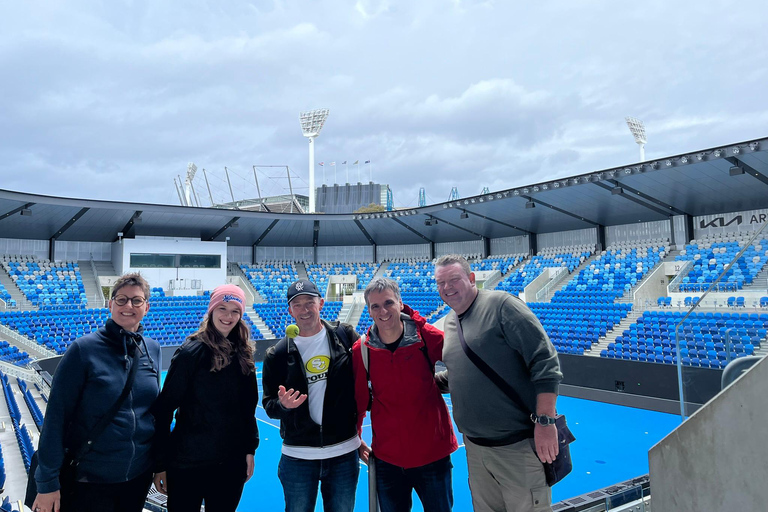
356	311
381	272
565	280
105	268
611	336
92	285
21	301
301	270
260	325
16	475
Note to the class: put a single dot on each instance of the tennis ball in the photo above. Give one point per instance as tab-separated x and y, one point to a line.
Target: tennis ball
292	331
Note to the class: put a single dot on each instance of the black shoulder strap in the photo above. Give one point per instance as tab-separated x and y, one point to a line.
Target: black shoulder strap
109	416
487	370
341	332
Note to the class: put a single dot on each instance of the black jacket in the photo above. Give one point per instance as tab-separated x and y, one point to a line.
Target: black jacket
215	418
88	381
283	366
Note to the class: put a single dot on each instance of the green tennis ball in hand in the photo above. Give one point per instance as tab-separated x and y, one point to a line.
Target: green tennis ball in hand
292	331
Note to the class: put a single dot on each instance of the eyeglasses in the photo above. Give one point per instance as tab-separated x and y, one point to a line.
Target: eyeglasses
122	300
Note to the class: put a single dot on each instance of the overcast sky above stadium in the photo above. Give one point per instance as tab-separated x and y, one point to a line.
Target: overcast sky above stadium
111	100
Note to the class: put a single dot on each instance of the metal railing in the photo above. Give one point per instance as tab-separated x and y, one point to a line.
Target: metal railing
554	281
674	285
99	291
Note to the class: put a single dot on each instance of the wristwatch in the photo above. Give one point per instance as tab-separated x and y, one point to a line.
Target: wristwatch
543	419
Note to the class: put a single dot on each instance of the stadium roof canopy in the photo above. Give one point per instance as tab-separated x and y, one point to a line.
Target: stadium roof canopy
724	179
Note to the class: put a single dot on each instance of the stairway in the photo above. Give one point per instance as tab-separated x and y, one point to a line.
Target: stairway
260	325
301	270
24	343
567	279
382	270
611	336
356	311
21	301
91	283
235	270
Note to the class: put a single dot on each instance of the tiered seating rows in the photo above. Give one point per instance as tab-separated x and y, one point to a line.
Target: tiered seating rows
703	338
45	283
271	280
516	282
22	435
34	410
320	273
277	318
710	256
12	354
169	321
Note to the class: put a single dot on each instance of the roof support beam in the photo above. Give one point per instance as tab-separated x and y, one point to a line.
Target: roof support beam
560	210
623	194
223	228
748	169
470	212
61	231
669	209
127	228
360	225
478	235
409	228
315	234
265	233
15	211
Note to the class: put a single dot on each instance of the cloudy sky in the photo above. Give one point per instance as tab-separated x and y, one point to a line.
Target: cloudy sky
111	100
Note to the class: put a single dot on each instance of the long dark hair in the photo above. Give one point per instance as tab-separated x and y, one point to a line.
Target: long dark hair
237	344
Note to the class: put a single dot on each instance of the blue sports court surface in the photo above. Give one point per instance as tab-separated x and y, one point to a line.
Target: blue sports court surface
612	444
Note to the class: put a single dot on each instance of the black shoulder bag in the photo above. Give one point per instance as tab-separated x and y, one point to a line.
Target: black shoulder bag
562	464
67	473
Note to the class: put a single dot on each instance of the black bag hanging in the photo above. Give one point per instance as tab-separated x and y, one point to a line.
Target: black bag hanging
562	465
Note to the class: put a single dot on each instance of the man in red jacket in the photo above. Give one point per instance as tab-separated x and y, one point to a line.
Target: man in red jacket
412	430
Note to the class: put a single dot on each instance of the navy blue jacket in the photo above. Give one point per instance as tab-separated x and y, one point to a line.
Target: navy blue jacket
87	382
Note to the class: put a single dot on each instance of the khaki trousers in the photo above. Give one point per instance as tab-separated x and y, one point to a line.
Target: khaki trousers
507	478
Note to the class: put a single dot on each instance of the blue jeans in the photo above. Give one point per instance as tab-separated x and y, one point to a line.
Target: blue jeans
432	482
337	477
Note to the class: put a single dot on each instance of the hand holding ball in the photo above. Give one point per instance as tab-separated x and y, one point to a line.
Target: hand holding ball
292	331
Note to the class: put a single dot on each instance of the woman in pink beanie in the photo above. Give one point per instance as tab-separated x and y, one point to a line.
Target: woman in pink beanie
211	383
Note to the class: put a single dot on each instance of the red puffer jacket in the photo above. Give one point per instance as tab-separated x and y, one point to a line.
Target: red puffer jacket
411	423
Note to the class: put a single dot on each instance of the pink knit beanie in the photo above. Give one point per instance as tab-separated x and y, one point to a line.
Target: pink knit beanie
227	293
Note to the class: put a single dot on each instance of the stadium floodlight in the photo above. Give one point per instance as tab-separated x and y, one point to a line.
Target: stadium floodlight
312	122
637	128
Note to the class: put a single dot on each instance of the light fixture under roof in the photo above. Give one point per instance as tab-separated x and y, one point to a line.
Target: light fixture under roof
530	204
736	150
754	145
464	215
684	159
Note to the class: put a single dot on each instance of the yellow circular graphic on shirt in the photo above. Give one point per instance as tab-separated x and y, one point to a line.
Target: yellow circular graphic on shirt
318	364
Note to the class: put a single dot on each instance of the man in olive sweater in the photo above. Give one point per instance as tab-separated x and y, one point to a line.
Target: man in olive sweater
505	445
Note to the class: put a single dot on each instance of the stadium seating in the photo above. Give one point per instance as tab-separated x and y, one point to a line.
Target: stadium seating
711	256
320	273
22	435
12	354
277	318
271	280
703	338
169	321
570	257
585	309
6	297
501	263
46	283
34	409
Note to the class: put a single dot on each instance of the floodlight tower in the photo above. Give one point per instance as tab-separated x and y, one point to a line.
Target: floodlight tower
191	170
637	128
311	124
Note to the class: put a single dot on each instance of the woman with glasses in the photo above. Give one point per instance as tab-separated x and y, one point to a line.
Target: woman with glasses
211	383
114	469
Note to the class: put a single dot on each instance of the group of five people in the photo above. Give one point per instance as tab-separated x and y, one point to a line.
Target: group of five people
320	383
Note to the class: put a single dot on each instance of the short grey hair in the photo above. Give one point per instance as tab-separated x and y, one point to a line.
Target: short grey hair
450	259
380	284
